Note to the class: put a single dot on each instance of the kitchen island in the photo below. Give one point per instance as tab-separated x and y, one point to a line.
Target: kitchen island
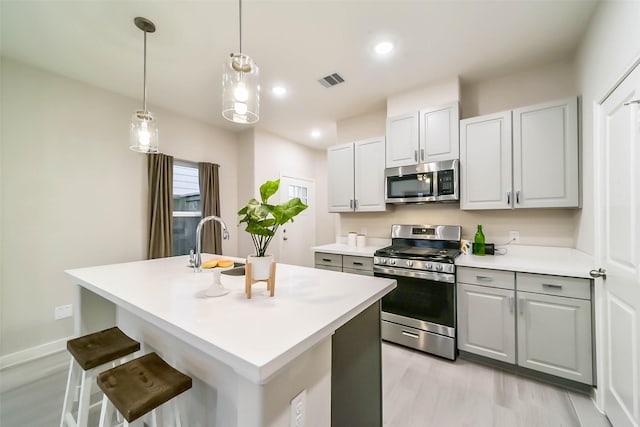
248	358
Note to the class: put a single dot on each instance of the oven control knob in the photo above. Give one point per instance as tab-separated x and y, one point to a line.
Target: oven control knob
383	260
428	266
439	267
409	263
392	262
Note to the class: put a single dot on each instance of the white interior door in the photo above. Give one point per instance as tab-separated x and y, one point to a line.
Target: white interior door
296	238
619	200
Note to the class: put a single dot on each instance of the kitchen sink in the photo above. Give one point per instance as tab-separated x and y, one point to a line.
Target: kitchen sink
238	270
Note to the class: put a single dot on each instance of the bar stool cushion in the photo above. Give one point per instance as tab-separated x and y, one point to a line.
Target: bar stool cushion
141	385
101	347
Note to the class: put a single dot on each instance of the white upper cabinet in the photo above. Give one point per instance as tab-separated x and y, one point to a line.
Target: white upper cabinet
356	176
485	162
545	155
439	133
340	172
525	158
369	175
430	135
402	140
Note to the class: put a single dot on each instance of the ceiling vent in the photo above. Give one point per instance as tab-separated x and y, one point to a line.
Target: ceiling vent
331	80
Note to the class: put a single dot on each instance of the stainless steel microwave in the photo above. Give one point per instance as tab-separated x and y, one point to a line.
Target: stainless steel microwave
426	182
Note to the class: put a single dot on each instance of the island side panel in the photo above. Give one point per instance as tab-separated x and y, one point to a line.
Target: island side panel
93	313
356	371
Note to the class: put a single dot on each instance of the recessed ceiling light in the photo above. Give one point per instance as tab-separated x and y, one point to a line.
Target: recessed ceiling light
383	48
279	90
315	133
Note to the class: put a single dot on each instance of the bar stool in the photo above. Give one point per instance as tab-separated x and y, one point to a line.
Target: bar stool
138	387
90	354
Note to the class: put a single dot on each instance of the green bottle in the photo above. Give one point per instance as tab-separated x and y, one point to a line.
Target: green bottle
478	242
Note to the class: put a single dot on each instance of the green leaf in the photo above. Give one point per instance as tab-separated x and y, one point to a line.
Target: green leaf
268	189
263	219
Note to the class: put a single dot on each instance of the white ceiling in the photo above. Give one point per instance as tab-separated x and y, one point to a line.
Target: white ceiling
295	43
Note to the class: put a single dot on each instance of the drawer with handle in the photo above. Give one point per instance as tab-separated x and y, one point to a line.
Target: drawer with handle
572	287
357	262
486	277
322	258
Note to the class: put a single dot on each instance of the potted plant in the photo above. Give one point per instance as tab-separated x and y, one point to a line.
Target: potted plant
263	220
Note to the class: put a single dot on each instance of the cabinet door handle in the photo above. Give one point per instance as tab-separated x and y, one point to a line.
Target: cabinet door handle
422	154
512	303
552	286
509	198
351	204
415	155
518	197
521	306
411	335
486	278
355	204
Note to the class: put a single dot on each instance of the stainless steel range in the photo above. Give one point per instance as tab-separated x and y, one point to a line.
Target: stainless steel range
421	311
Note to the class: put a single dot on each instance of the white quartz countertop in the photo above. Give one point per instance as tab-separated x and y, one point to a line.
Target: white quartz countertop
341	248
534	259
256	337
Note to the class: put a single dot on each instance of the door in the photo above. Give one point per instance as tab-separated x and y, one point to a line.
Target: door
402	140
545	155
369	175
618	197
485	162
554	336
486	322
298	237
440	133
340	175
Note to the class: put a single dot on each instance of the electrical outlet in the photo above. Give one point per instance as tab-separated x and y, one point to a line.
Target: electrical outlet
298	410
514	237
62	312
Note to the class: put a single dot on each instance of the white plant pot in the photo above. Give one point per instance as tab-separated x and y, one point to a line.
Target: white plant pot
260	266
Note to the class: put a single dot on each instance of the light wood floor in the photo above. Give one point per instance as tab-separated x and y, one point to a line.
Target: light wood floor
418	390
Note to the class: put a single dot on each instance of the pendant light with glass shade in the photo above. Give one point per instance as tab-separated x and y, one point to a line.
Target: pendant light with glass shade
144	127
240	86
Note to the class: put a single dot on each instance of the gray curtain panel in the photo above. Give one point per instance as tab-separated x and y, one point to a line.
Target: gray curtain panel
210	203
160	172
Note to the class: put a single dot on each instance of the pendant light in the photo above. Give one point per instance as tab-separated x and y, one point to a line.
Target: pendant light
143	137
240	87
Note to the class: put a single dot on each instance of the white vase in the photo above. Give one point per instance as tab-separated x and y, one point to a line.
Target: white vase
260	266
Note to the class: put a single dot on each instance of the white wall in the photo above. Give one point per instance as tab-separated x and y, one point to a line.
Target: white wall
607	51
73	195
276	156
546	83
550	227
434	94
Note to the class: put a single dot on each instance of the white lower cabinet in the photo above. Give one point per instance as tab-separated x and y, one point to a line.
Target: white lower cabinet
536	321
486	323
554	336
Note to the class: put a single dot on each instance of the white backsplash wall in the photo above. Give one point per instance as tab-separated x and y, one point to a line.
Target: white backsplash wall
543	227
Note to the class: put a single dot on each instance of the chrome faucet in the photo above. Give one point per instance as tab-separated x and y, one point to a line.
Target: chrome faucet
197	261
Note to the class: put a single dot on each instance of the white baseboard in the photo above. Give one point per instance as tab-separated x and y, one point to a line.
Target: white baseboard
34	363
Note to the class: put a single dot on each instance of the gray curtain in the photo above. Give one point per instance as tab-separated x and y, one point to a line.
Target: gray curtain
210	203
160	172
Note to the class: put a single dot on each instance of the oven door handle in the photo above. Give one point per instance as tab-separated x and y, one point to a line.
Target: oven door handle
415	274
410	335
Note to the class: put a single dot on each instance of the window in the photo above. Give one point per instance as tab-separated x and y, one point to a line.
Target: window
186	206
298	191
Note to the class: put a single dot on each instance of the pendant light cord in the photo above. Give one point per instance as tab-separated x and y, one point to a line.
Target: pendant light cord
144	76
240	19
